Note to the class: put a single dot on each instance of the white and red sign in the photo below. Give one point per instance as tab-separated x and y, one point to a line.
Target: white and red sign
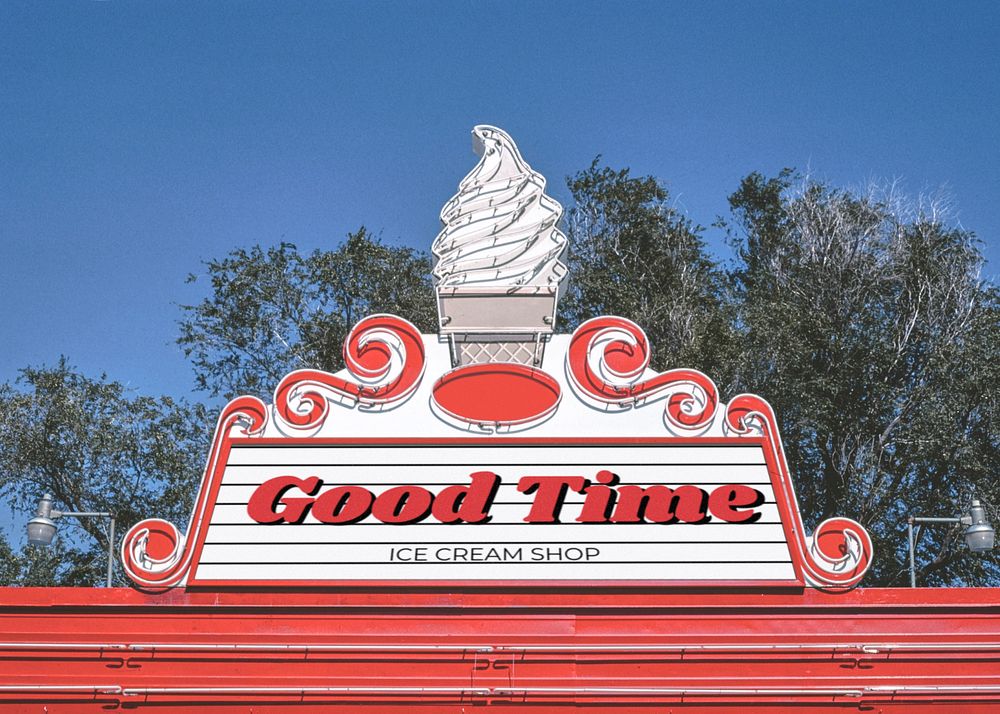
523	458
582	488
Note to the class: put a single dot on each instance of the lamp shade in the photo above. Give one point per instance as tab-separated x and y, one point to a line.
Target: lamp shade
41	530
979	536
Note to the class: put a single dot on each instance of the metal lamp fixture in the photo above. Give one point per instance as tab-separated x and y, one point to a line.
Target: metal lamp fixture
979	535
42	528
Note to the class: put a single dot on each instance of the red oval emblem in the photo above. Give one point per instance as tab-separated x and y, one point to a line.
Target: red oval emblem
501	395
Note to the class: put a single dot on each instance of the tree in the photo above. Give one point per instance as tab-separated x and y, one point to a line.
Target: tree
862	319
632	254
10	563
272	311
94	447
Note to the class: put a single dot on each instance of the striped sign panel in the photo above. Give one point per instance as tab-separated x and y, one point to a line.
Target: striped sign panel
644	511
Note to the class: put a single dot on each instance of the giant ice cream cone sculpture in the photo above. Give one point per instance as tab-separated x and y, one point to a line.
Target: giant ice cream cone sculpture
498	268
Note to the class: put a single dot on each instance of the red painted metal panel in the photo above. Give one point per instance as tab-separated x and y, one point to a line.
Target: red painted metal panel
78	650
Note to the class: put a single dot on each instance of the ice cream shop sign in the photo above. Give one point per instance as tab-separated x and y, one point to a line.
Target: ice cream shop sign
497	452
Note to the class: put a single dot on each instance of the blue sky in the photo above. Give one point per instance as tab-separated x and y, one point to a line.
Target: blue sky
139	139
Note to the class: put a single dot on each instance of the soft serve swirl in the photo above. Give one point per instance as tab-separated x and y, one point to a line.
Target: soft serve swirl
500	228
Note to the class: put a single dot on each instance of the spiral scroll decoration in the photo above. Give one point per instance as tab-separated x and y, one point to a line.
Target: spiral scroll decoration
155	554
839	552
606	362
842	549
385	361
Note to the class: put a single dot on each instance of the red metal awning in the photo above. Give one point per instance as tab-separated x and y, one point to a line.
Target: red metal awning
79	650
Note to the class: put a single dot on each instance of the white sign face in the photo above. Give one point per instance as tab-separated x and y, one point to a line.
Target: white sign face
647	510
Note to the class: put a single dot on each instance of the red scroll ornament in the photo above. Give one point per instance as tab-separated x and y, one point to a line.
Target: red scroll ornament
607	359
384	353
385	356
839	552
154	553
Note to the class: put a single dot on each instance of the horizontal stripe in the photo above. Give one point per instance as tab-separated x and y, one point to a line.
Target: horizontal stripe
584	572
500	515
551	454
459	473
620	552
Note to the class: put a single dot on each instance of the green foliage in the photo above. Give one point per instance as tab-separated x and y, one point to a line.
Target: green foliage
632	254
272	311
10	564
862	319
94	447
858	315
